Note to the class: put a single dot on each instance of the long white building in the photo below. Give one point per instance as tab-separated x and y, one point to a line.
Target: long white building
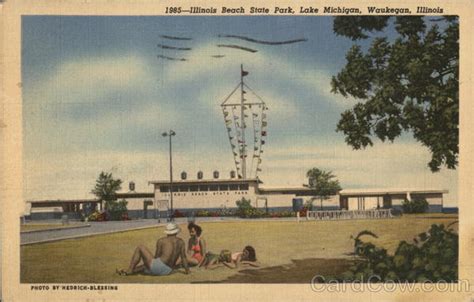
216	194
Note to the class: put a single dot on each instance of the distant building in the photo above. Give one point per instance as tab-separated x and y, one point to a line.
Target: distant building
365	199
215	194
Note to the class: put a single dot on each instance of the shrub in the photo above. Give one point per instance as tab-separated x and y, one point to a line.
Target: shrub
117	209
433	256
417	205
282	214
226	212
97	216
202	213
178	213
246	210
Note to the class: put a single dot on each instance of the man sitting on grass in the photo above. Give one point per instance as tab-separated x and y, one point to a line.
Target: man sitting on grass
168	250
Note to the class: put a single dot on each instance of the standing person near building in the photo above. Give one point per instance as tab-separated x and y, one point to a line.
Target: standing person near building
168	250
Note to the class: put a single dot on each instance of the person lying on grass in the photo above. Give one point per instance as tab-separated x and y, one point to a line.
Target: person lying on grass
168	250
231	260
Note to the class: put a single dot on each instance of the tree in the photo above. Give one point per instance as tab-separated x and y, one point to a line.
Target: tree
106	187
410	83
416	205
323	183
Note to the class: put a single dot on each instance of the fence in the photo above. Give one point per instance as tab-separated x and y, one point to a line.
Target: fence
353	214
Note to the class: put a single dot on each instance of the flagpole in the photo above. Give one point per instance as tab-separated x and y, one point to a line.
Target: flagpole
242	122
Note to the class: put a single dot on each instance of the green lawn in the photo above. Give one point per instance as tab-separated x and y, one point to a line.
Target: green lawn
288	251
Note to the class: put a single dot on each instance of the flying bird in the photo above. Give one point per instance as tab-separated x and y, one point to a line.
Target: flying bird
174	37
237	47
173	47
263	42
171	58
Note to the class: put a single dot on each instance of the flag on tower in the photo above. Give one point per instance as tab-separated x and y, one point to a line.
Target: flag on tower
244	73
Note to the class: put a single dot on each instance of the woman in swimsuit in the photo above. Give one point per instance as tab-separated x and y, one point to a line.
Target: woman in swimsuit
196	245
231	260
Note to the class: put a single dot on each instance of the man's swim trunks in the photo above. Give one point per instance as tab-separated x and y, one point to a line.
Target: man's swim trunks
158	268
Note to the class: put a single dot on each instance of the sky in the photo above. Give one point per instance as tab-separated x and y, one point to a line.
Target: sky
96	98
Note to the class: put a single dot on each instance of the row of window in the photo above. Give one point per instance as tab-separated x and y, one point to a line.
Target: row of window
205	188
204	193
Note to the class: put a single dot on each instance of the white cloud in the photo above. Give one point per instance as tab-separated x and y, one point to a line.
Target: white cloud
391	166
89	79
383	165
73	176
262	66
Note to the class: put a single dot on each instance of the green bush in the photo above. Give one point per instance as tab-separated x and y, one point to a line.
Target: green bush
246	210
117	210
417	205
432	256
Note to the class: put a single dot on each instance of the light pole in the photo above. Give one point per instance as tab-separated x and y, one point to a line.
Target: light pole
170	134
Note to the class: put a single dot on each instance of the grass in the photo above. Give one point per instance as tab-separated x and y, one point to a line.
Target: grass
289	252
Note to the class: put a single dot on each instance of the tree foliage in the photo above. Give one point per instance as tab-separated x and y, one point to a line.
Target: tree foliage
246	210
409	83
106	187
416	205
433	256
323	183
117	209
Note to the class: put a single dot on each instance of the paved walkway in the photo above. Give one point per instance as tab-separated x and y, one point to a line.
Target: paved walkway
94	229
97	228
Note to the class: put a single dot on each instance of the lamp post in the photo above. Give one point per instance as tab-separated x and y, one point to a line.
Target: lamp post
170	134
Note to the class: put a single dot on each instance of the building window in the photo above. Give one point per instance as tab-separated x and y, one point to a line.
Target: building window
203	188
183	188
213	188
164	189
223	187
234	187
244	187
194	188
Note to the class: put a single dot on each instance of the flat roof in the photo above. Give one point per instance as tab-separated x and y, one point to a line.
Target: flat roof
63	201
135	195
205	181
390	191
285	189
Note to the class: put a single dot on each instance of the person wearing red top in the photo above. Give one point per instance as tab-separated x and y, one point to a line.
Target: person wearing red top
196	245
